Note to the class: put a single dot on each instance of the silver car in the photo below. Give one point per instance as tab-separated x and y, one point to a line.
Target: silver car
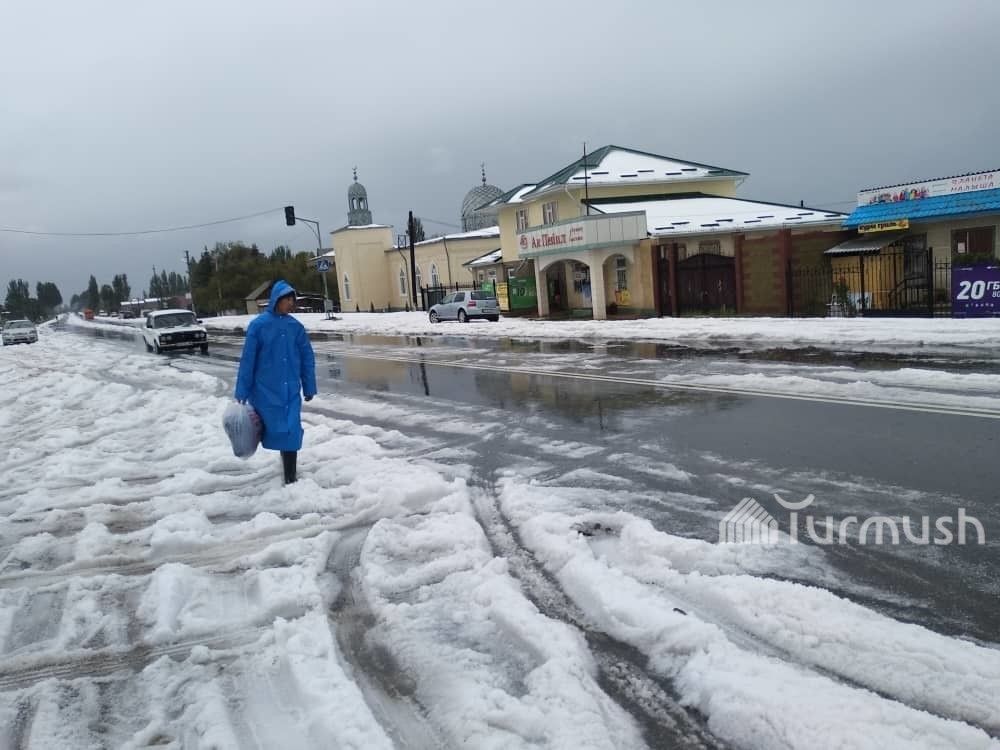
464	306
19	332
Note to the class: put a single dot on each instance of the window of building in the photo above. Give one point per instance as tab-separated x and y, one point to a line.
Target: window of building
482	277
980	241
550	212
522	219
621	272
402	283
419	278
435	279
347	287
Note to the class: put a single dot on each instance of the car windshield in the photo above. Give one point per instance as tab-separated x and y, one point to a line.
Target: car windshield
483	295
20	324
173	320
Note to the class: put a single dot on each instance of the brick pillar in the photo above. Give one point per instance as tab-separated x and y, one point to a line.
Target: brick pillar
657	284
673	279
738	254
784	256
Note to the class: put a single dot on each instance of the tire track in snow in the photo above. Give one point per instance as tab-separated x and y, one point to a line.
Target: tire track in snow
221	557
651	701
107	662
387	690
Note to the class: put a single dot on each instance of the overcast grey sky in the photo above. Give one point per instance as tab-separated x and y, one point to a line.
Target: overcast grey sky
118	115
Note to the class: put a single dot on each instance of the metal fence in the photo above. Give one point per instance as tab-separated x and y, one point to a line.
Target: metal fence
431	295
894	283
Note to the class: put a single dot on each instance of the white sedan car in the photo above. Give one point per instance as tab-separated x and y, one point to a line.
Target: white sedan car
19	332
170	330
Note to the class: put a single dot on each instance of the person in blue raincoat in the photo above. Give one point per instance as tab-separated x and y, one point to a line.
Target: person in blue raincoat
276	369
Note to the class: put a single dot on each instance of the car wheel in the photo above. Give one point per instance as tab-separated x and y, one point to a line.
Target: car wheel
434	317
462	317
204	348
148	347
156	348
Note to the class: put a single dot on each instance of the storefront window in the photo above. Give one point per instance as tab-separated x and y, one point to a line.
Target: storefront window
968	244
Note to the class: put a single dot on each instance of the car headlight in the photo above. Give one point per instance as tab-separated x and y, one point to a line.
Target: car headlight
166	338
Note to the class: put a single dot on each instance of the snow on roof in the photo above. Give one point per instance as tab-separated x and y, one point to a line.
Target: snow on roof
706	214
615	165
475	234
489	259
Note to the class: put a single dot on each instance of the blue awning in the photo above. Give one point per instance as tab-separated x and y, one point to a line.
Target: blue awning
942	206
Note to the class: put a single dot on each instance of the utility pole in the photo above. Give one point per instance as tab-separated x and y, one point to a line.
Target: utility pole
187	257
413	262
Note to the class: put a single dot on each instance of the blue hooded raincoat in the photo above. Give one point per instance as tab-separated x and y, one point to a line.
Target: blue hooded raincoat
276	369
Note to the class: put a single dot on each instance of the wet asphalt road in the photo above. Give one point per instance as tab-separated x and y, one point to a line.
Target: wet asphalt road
855	460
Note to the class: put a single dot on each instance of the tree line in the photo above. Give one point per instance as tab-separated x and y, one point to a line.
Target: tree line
224	276
221	279
20	304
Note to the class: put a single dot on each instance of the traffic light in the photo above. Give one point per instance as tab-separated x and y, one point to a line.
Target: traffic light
290	215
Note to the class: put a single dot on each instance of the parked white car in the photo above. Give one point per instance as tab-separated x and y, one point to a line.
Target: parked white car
19	332
170	330
464	306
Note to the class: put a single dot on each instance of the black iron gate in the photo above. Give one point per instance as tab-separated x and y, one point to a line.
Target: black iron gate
706	283
903	281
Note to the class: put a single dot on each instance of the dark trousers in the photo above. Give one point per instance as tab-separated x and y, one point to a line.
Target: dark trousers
288	463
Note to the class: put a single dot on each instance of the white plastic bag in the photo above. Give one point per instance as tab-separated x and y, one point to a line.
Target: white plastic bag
243	428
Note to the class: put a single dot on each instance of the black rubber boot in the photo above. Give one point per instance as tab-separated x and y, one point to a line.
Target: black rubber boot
288	463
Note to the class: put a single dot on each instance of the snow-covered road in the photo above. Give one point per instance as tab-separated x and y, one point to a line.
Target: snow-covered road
418	588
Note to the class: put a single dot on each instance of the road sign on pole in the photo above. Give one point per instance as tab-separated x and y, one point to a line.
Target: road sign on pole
323	265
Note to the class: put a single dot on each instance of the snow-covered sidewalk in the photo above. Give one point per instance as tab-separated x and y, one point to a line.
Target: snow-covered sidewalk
898	335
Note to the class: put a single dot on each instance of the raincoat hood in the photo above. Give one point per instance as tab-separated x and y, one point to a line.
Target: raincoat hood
279	290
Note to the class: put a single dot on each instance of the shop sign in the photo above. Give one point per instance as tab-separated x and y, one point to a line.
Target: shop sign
917	190
589	231
883	226
975	291
522	293
503	297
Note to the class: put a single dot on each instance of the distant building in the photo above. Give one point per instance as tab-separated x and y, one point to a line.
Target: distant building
373	272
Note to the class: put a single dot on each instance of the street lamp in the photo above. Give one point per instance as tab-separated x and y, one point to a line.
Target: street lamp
290	219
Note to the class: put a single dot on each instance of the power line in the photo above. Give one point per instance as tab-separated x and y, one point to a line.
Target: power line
141	231
442	223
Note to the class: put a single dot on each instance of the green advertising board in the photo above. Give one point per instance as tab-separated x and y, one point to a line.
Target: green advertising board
522	292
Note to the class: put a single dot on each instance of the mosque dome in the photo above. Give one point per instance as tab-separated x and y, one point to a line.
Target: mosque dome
472	216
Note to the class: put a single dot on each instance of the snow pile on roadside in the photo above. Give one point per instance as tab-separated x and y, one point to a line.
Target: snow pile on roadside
770	663
980	336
